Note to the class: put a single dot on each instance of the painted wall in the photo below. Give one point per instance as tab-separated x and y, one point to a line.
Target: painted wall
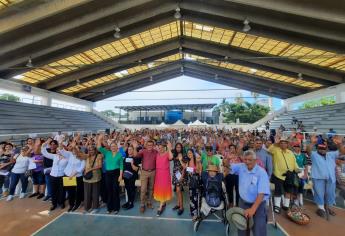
338	91
46	96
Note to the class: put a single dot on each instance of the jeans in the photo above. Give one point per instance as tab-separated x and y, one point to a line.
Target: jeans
130	188
48	184
4	181
14	181
260	219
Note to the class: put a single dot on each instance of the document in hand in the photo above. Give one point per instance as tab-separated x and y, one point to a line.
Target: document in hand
69	182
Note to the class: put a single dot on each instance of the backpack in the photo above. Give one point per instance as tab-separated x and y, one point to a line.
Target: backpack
213	192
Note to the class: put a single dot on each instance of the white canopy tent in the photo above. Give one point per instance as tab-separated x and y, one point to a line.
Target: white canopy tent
162	125
197	124
179	124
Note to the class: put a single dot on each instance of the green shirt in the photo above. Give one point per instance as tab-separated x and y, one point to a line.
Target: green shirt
301	160
112	162
205	160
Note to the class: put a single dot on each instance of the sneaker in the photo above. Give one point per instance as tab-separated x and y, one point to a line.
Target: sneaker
52	208
9	198
41	195
46	198
109	212
116	212
33	195
22	195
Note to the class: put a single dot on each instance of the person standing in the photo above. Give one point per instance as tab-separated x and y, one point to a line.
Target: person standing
301	160
130	174
148	159
162	191
323	173
179	176
56	174
114	170
283	160
254	188
264	156
47	164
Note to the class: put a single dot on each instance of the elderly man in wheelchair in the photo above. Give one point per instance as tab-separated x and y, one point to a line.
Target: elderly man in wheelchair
213	196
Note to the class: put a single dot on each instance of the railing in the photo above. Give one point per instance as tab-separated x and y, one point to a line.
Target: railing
265	119
312	132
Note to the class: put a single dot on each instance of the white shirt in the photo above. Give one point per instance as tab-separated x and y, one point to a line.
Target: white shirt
74	165
22	164
59	162
59	138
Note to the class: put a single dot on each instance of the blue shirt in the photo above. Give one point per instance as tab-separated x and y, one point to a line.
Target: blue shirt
251	183
323	168
266	159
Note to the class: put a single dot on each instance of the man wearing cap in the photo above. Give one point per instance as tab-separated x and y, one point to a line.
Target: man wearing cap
254	188
323	173
208	158
283	161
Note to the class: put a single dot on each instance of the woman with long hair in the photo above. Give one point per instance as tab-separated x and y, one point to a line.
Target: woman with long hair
178	178
162	191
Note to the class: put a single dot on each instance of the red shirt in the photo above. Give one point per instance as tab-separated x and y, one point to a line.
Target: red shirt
148	159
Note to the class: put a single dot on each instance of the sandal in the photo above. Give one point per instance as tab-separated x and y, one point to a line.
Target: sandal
276	209
331	212
321	213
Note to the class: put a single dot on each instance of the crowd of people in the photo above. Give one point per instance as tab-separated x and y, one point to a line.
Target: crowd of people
90	170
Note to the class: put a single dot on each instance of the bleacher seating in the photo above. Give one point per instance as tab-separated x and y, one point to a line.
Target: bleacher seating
323	118
18	118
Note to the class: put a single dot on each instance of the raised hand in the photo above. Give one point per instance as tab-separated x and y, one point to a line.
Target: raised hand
337	140
313	139
169	146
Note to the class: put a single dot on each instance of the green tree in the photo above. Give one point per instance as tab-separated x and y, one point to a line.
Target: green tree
246	112
110	114
9	97
324	101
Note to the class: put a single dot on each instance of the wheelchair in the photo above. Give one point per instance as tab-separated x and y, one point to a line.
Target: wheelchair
204	210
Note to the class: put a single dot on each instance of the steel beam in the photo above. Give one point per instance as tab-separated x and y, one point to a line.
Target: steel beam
113	65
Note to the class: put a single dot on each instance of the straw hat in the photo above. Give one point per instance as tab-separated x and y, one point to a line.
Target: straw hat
235	215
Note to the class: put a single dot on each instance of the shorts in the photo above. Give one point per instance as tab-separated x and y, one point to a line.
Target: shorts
38	178
279	186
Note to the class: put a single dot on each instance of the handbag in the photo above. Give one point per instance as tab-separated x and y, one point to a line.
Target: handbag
89	174
291	177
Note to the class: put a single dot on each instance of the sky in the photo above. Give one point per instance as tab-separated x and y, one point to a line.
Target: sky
178	97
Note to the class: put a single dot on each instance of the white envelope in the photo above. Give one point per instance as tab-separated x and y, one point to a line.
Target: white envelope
190	169
32	165
178	175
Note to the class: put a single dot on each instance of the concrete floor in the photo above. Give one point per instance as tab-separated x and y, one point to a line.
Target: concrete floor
22	217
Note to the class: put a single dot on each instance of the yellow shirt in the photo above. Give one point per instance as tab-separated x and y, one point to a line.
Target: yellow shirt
279	164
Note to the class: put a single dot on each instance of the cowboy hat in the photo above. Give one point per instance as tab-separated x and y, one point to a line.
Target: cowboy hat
235	215
283	139
212	168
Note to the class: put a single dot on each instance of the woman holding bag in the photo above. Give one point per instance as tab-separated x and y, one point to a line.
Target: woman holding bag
92	178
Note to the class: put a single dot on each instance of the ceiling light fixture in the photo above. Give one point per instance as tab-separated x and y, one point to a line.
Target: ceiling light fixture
226	58
182	70
180	49
246	26
18	76
103	92
29	63
78	82
253	70
215	76
300	76
117	33
177	14
151	78
270	90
